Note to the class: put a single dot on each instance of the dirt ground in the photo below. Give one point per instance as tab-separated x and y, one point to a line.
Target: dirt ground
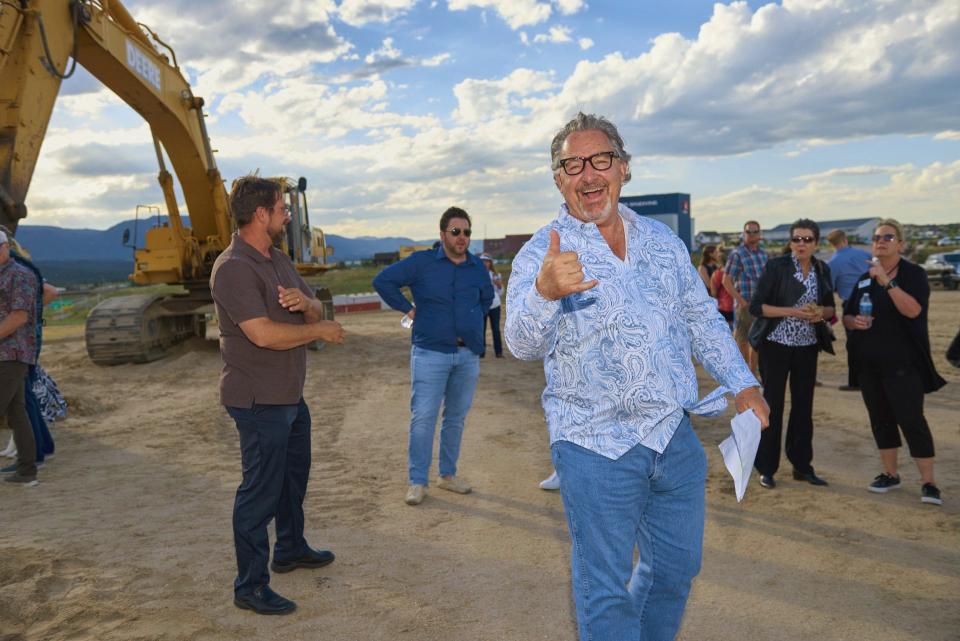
128	535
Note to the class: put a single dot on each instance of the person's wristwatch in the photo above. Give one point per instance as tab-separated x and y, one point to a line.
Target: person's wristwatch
891	284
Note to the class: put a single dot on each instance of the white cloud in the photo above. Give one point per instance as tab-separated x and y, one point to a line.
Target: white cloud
555	35
569	7
253	40
585	43
947	135
296	108
357	13
436	61
933	190
516	13
385	52
479	100
806	69
861	170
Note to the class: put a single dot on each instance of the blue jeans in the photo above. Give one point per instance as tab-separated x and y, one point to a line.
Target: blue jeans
646	501
275	452
439	378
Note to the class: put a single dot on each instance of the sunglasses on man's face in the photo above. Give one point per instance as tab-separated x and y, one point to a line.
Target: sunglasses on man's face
803	239
887	238
752	232
456	231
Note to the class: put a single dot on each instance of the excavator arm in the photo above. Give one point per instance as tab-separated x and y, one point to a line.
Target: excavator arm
38	41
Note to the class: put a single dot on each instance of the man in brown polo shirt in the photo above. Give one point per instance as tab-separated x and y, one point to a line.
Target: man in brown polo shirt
268	315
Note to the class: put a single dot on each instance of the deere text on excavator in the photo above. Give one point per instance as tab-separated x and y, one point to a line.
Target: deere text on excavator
39	39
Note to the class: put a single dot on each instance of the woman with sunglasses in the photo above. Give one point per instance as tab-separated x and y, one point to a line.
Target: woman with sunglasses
890	349
792	299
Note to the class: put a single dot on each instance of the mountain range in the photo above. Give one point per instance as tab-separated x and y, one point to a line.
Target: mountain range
48	243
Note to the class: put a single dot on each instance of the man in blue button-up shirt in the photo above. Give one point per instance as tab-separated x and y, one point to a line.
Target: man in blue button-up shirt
846	266
452	293
612	304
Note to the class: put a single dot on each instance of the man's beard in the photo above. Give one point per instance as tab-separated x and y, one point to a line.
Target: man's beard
276	237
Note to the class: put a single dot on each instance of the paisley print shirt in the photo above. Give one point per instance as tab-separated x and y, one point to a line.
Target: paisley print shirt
618	357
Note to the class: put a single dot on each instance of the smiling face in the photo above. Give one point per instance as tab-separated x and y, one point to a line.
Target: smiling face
591	195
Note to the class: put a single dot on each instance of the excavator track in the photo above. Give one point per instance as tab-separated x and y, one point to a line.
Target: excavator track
137	329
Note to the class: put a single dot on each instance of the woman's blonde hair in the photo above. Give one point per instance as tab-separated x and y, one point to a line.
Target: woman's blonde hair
890	222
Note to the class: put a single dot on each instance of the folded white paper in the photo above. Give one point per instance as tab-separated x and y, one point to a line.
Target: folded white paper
740	449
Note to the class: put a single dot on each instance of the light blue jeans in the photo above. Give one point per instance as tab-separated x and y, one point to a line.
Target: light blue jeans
438	378
650	502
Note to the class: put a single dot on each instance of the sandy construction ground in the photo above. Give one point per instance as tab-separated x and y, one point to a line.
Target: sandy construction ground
128	535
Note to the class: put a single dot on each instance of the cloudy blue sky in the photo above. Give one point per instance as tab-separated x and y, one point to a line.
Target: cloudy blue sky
397	109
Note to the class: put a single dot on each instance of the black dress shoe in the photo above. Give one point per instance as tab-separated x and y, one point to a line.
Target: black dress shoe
809	477
766	480
312	559
263	600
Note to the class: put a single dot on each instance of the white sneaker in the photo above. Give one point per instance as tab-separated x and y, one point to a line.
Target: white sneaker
415	494
552	482
454	484
11	450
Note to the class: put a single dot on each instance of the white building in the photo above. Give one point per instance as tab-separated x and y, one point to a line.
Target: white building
707	238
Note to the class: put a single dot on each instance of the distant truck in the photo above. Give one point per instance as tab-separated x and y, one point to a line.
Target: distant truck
944	269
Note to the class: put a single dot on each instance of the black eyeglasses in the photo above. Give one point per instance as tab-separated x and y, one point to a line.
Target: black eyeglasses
889	238
803	239
752	232
456	231
600	161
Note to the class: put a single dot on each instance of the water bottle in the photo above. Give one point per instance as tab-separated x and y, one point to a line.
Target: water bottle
406	321
866	307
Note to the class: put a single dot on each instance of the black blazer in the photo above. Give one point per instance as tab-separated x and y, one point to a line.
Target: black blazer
778	287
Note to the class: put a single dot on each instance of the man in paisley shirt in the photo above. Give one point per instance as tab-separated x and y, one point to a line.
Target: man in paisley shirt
612	304
18	291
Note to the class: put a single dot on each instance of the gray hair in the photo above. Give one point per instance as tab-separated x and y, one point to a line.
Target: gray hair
587	122
890	222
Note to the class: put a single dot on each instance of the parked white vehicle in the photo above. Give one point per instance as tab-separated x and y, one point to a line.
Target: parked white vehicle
944	268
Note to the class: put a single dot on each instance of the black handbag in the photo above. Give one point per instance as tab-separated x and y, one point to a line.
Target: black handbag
825	336
759	330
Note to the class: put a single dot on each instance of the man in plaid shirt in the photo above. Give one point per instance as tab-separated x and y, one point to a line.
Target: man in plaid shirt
742	272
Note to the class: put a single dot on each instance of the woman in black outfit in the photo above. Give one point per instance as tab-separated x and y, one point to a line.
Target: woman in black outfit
792	299
890	349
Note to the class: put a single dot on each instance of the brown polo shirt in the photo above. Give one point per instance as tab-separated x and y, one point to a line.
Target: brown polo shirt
244	285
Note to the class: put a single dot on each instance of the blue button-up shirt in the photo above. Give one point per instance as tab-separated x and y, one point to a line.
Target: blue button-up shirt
618	357
452	299
846	266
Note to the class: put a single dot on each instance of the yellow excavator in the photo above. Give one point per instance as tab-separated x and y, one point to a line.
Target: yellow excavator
41	42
